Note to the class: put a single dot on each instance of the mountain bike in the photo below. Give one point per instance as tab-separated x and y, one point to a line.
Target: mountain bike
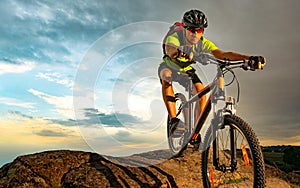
231	154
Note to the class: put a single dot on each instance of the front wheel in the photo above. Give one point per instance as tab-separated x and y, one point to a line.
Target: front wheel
234	157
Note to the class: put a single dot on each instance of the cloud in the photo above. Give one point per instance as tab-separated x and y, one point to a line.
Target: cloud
63	105
59	32
16	115
57	78
27	12
64	122
16	103
17	66
50	133
123	136
114	119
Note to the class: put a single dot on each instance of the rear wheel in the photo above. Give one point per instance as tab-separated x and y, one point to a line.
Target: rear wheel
178	142
247	171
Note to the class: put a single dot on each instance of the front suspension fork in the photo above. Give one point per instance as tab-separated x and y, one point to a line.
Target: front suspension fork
216	152
218	124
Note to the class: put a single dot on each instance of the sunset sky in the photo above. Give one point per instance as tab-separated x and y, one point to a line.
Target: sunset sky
82	75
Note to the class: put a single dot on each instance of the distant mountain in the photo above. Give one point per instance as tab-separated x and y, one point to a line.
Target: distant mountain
279	148
66	168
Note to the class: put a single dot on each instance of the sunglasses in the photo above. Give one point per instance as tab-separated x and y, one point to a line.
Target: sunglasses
195	30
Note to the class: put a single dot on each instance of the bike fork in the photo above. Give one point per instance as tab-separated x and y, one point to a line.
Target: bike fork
218	124
216	152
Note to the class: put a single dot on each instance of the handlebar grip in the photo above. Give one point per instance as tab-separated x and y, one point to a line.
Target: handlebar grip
256	62
253	65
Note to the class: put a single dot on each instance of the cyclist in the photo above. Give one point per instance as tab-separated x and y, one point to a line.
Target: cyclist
180	50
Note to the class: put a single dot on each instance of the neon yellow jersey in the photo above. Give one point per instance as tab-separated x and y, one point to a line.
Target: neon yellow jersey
207	45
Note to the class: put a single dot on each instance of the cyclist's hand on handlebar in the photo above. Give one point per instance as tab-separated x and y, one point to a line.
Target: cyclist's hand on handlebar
185	51
257	62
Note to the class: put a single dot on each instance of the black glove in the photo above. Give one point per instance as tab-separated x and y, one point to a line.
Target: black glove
184	51
256	62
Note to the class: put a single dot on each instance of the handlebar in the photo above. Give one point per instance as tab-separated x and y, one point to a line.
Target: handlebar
206	58
244	64
227	66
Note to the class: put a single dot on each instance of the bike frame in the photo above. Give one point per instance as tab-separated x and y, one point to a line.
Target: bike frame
193	98
216	88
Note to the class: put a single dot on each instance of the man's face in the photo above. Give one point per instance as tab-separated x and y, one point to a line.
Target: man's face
193	35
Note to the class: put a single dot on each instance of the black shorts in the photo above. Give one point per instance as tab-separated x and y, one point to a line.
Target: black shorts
181	79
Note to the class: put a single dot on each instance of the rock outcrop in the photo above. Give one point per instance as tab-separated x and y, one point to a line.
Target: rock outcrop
84	169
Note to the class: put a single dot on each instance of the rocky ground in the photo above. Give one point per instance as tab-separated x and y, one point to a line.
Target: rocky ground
83	169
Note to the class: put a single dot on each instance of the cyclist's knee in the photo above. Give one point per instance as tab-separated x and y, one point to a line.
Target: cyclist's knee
166	76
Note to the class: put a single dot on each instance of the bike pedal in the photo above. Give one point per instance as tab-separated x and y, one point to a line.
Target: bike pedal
180	129
178	132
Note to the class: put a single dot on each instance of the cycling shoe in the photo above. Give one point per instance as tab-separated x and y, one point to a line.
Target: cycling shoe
176	127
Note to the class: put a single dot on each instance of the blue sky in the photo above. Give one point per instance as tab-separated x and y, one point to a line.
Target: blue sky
73	73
